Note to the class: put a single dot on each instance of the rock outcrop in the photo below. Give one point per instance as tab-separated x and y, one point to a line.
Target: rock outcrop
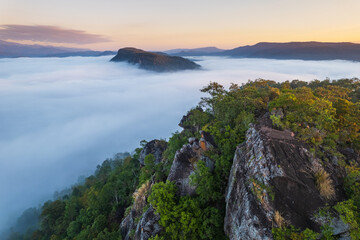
184	165
155	147
184	122
140	223
127	225
148	225
153	61
272	174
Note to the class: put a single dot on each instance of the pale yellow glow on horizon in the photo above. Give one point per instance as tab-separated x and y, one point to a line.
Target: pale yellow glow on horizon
166	24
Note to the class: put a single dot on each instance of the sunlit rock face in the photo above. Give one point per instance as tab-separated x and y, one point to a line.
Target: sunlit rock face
271	174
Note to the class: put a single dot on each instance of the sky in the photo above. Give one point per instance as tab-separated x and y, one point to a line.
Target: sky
60	117
167	24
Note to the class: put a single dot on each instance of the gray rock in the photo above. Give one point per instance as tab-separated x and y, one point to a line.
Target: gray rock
155	147
148	225
340	228
192	140
184	165
270	173
127	225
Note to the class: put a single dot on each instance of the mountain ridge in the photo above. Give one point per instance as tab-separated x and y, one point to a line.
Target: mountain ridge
14	50
298	50
311	50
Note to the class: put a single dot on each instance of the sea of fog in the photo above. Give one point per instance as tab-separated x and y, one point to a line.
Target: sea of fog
60	117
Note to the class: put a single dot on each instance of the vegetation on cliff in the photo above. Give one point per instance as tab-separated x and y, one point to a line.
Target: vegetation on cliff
323	114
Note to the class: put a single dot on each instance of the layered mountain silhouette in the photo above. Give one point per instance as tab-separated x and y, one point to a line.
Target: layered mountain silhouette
194	51
298	50
289	50
11	50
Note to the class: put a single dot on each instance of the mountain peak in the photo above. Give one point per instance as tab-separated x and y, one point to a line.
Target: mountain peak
158	62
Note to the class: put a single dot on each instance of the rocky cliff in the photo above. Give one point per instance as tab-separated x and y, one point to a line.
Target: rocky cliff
153	61
141	224
272	184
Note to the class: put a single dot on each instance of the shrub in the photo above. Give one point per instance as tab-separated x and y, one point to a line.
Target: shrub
279	220
140	195
324	184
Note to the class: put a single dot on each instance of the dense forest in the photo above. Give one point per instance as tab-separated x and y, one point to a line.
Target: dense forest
325	115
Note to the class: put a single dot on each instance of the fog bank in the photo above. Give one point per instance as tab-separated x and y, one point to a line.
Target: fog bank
60	117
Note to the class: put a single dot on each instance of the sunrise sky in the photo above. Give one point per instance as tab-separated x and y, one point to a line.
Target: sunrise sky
166	24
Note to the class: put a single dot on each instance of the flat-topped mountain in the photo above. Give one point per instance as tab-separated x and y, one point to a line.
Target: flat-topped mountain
298	50
153	61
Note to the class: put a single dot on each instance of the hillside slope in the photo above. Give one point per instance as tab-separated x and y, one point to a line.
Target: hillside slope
265	160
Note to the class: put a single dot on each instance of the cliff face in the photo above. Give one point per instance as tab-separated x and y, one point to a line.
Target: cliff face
272	183
153	61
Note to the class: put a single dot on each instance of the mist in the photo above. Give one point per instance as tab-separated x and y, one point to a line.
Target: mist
60	117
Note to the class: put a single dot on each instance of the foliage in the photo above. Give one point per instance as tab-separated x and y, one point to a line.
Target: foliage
349	214
285	233
91	210
182	217
176	141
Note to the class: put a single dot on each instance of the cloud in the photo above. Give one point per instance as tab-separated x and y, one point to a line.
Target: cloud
60	117
51	34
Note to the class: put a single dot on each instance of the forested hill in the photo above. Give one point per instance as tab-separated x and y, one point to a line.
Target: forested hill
263	160
158	62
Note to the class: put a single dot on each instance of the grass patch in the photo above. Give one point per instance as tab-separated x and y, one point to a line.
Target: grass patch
324	184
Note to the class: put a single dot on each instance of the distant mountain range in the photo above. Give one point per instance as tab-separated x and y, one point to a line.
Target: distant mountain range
298	50
290	50
11	50
194	51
